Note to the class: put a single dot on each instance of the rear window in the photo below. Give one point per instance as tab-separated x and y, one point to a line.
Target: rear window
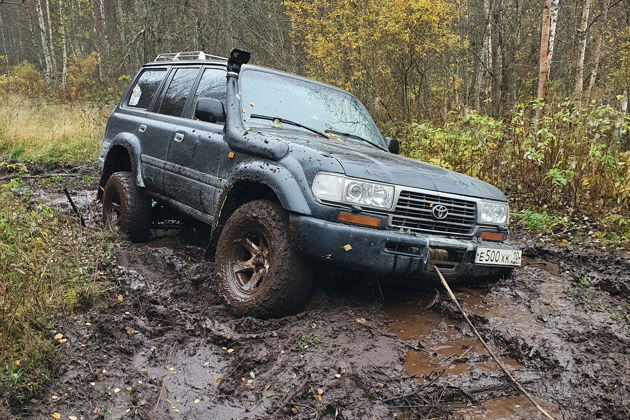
146	88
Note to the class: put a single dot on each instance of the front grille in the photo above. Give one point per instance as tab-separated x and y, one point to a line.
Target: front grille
413	211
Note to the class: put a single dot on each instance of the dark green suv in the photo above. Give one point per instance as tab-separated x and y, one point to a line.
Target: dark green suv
288	172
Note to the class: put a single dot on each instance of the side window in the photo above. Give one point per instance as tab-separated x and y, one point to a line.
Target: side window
213	84
178	91
146	87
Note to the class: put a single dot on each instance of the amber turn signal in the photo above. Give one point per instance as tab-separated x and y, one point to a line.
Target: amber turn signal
492	236
359	219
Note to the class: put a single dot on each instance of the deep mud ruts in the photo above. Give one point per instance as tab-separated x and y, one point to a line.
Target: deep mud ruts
163	345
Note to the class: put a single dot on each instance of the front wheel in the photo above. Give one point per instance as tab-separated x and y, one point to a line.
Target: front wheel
126	208
259	272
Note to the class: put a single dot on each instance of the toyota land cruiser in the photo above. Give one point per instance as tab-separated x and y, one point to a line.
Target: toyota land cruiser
288	172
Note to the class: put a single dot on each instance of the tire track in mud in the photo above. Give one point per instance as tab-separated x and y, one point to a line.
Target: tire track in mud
565	342
164	346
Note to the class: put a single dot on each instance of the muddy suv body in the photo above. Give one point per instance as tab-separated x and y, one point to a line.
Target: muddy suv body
288	172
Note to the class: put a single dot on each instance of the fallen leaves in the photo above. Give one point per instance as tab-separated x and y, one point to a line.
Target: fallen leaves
59	338
120	298
55	416
347	247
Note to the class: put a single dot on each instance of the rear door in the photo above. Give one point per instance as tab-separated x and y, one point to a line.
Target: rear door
137	116
160	131
198	149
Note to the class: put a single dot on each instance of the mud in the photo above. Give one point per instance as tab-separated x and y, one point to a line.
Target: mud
163	345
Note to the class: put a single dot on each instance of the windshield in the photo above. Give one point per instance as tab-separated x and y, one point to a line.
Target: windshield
320	108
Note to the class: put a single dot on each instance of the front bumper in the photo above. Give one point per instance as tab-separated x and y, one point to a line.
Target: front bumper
387	252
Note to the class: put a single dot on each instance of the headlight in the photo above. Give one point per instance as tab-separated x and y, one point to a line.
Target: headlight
493	212
341	189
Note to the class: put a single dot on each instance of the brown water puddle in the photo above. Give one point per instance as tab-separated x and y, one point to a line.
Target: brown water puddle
445	350
512	408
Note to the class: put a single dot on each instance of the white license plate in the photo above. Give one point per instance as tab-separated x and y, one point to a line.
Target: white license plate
495	256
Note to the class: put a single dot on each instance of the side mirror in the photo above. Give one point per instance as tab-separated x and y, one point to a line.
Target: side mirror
210	110
392	145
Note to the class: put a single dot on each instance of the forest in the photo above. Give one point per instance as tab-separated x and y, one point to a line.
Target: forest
528	95
531	96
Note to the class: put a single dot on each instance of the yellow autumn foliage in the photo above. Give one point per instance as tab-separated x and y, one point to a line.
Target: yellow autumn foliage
376	49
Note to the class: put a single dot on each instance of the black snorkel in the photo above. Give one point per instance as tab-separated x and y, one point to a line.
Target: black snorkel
237	137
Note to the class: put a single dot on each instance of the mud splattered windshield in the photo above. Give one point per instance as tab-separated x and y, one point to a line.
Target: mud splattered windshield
315	107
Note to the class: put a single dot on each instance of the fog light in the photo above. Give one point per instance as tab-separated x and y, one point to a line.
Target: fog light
359	219
492	236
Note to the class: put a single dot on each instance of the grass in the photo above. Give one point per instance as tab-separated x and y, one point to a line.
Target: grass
48	265
34	130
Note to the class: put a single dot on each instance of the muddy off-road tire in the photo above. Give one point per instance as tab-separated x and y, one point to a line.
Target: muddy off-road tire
259	272
126	208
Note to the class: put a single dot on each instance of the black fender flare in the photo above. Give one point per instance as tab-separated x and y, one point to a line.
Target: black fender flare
289	190
131	144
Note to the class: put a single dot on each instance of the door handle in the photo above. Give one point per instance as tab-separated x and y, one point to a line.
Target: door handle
142	128
179	137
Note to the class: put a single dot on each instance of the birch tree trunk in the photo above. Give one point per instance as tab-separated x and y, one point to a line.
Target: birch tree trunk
121	22
101	8
543	60
4	42
553	15
51	44
485	58
45	49
487	9
64	45
33	37
597	47
579	68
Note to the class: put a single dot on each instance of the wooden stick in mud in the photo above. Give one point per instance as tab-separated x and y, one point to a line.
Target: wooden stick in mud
74	207
496	359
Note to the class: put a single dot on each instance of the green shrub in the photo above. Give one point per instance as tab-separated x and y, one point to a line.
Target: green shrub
567	160
47	265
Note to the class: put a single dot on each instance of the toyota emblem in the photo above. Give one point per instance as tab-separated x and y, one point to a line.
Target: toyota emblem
440	212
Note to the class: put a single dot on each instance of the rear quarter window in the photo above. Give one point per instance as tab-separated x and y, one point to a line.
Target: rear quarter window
146	88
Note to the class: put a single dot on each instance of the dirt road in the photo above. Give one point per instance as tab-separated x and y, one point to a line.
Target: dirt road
162	344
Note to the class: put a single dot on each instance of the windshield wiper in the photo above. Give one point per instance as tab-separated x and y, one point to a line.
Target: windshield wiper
285	121
354	136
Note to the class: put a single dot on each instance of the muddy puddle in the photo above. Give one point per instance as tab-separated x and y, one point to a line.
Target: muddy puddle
162	345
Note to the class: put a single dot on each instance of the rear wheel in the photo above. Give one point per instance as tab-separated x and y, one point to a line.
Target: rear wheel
259	272
126	208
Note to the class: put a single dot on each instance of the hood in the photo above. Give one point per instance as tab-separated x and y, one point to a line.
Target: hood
368	162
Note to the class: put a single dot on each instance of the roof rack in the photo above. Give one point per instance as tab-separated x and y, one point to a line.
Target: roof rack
188	55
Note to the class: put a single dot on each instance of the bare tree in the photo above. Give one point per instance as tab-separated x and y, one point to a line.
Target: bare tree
64	45
45	47
553	15
543	61
597	46
4	42
582	38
